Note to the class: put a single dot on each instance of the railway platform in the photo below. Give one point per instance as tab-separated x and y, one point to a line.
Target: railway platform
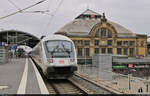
20	76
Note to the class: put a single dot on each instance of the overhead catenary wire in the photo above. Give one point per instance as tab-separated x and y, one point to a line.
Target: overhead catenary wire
14	4
45	32
42	12
19	11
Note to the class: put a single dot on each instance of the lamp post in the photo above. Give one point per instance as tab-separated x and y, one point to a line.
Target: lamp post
129	78
147	79
129	73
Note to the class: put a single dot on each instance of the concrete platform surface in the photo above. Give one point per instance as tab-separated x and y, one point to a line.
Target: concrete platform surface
20	76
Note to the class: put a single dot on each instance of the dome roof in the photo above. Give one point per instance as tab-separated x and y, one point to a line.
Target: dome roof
83	24
78	26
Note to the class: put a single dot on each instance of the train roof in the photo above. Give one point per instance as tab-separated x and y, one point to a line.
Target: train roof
56	37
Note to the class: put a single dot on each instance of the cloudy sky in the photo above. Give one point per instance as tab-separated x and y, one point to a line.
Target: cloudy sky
132	14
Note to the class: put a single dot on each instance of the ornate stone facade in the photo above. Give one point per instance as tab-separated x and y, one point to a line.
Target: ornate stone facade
93	34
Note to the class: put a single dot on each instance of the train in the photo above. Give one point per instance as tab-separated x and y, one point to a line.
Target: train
55	57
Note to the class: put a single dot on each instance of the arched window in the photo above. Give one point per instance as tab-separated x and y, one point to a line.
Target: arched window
106	33
109	34
103	32
97	33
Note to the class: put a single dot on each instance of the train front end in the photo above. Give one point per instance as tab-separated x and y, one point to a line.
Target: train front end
61	59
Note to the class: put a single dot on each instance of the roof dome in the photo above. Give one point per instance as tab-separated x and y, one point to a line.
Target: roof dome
82	25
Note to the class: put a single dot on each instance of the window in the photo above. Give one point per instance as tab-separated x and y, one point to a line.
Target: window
109	50
125	43
109	34
97	33
79	51
109	42
131	51
59	49
142	43
125	51
132	43
80	42
58	46
119	43
119	51
87	52
96	50
103	32
96	42
103	50
87	42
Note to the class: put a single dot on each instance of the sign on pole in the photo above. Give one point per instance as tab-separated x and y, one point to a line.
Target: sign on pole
130	65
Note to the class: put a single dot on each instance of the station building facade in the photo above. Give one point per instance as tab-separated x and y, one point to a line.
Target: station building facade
93	34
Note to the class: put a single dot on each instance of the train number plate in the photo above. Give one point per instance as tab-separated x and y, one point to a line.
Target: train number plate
61	62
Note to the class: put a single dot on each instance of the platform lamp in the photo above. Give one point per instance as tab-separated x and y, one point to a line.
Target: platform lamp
129	73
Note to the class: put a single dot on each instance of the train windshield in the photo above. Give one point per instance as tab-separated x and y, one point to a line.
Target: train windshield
59	49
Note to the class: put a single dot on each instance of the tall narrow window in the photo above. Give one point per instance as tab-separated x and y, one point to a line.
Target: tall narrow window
132	43
79	51
87	42
119	43
86	51
109	34
125	51
109	42
142	43
97	33
109	50
125	43
103	32
103	50
119	51
131	51
96	42
96	50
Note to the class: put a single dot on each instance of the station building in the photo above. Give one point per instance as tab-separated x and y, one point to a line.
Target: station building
93	34
11	40
15	37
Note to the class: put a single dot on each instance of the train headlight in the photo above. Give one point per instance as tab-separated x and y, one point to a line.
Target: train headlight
72	60
51	61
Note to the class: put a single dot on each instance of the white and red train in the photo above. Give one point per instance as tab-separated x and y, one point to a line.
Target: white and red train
55	56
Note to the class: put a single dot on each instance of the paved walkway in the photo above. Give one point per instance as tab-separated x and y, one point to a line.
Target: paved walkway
122	83
118	82
19	77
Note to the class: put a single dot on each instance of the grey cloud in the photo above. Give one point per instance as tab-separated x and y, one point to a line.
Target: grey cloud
133	14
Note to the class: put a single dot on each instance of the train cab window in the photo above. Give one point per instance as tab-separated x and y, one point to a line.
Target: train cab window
59	48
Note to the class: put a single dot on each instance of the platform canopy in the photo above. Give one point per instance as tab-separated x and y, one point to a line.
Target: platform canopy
15	37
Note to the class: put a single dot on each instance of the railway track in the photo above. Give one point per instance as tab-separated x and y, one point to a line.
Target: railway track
65	86
78	84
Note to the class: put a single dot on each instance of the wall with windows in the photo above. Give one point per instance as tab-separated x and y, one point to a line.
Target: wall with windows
103	39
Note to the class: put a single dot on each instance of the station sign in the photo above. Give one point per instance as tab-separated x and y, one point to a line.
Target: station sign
130	65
